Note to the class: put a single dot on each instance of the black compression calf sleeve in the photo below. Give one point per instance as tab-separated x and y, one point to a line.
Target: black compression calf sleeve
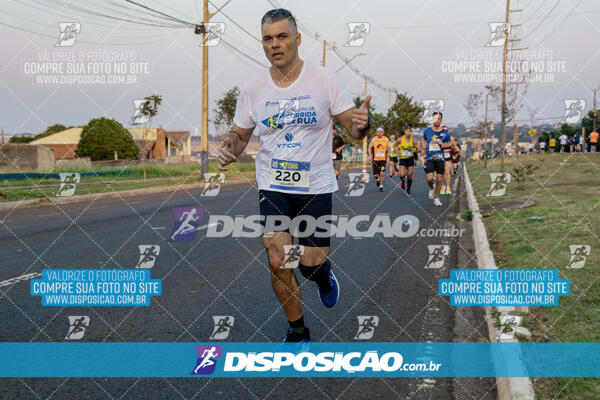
318	273
409	184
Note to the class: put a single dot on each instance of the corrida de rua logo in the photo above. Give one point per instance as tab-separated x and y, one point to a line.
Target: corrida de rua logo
290	113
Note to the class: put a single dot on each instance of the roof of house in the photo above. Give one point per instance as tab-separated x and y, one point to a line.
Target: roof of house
176	137
68	136
72	136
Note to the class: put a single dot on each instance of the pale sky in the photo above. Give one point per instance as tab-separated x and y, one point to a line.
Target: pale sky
411	45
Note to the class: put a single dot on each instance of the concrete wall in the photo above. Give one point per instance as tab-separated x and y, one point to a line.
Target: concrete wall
26	157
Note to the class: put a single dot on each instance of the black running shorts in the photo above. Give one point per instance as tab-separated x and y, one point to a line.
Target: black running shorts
292	205
438	166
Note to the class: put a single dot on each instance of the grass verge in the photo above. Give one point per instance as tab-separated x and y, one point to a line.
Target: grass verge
156	174
566	191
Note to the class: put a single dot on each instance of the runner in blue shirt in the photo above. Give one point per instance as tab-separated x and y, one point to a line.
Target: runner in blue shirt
435	140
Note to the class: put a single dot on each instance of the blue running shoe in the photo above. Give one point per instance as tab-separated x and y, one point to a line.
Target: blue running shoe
295	342
329	295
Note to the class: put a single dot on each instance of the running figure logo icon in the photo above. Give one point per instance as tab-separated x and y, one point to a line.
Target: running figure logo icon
357	33
212	185
431	106
68	183
77	327
207	359
68	33
148	254
292	253
214	30
223	324
366	326
498	32
356	187
574	110
186	223
579	253
499	184
287	110
437	255
140	111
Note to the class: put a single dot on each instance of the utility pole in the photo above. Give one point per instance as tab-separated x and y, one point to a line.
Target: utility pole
503	116
206	15
505	58
389	98
324	50
202	29
485	134
365	138
595	115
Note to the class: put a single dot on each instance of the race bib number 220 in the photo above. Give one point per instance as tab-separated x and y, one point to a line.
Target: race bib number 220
290	175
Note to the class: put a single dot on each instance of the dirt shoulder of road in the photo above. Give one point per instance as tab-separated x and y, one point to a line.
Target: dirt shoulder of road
565	191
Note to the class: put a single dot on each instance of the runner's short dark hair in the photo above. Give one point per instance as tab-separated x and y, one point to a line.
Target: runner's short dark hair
278	14
438	112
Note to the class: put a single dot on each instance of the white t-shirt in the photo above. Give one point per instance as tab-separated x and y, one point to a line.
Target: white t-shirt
542	145
294	125
563	139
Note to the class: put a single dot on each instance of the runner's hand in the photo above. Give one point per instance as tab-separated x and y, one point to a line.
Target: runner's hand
360	116
226	155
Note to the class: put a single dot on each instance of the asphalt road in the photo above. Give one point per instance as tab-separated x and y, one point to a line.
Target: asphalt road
379	276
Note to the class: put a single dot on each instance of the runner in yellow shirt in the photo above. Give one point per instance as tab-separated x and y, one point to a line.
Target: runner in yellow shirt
406	147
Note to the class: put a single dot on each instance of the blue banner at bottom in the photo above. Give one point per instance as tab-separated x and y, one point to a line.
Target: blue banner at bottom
326	360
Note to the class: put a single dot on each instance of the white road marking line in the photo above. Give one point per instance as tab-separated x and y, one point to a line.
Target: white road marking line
21	278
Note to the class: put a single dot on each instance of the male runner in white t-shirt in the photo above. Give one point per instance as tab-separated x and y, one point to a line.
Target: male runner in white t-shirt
292	104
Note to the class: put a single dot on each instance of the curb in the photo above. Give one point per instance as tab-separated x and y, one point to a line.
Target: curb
46	201
508	388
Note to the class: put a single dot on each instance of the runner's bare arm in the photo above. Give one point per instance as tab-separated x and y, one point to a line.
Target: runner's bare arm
342	147
424	144
356	120
387	150
233	146
449	144
369	149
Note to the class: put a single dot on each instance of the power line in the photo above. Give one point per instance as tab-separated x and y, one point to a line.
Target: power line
536	10
38	23
235	23
160	13
244	54
53	11
543	20
546	36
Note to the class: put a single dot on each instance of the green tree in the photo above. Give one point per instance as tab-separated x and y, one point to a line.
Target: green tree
101	137
225	110
566	129
20	139
403	112
588	123
49	131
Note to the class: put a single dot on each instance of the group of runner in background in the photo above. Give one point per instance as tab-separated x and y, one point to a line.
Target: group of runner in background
395	156
565	143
